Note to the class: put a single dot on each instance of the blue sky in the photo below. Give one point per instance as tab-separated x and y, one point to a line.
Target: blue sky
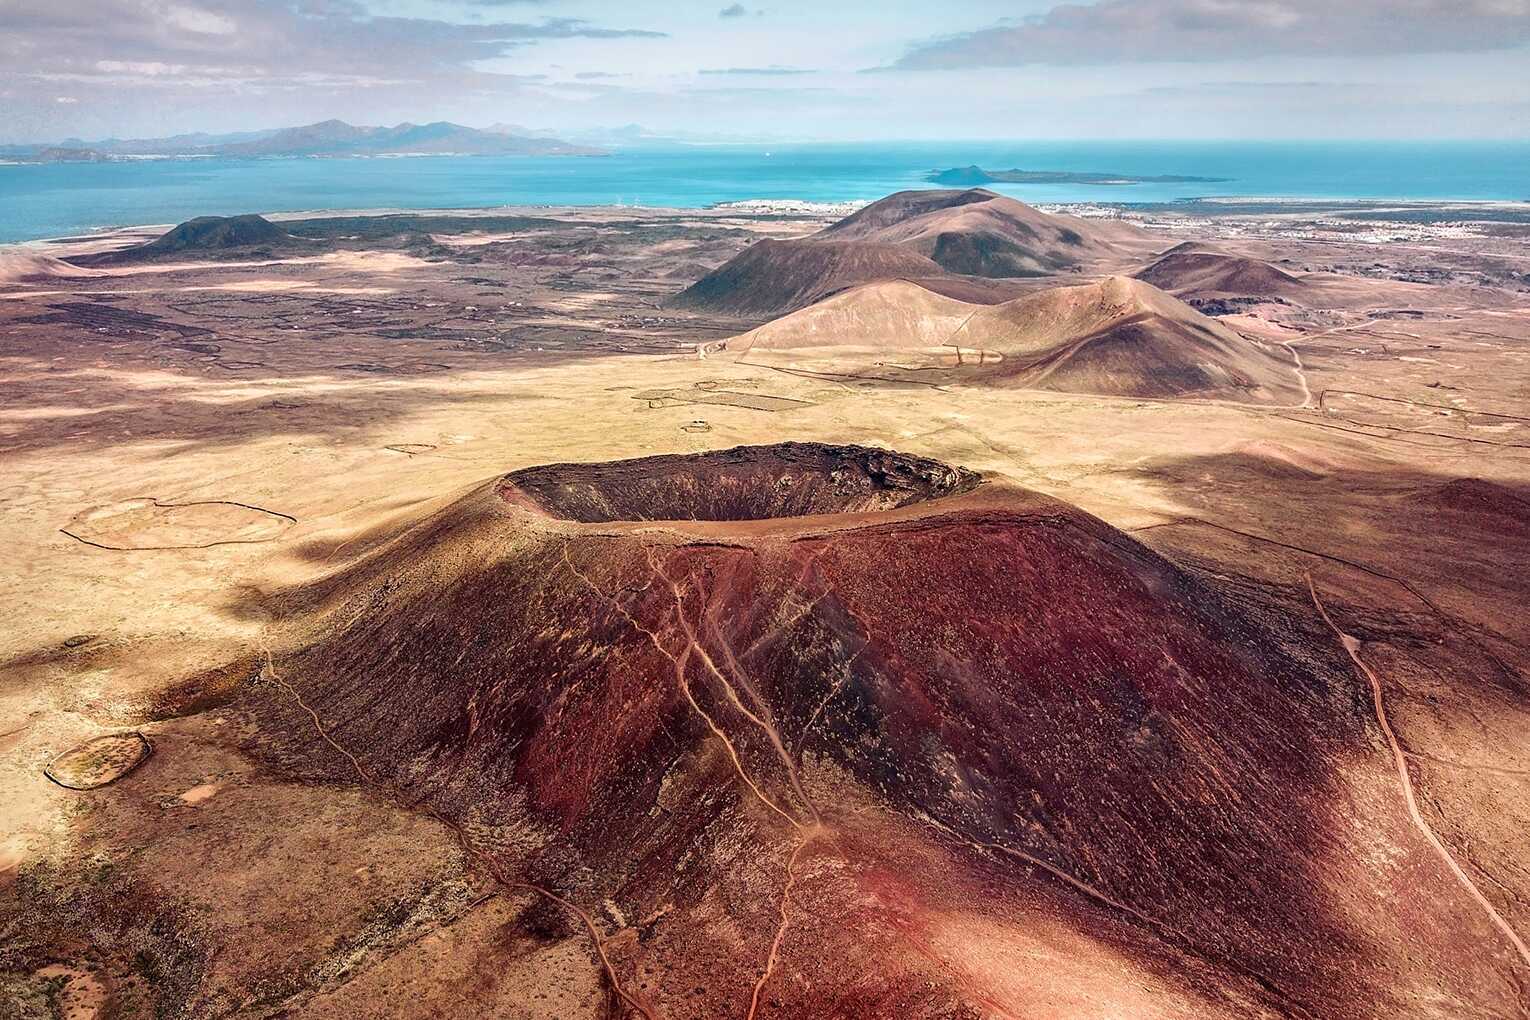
846	70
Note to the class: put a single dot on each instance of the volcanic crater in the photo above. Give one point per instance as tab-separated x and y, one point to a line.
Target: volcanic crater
635	680
741	484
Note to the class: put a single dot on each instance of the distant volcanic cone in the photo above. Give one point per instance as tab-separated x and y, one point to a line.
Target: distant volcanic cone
835	731
981	233
1188	273
963	244
204	234
771	278
1113	337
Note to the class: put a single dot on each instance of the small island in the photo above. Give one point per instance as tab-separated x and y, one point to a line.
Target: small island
967	176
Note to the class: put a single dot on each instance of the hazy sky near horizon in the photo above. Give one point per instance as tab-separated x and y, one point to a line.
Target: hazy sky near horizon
845	69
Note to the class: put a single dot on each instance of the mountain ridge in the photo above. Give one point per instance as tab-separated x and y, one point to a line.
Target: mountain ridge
331	138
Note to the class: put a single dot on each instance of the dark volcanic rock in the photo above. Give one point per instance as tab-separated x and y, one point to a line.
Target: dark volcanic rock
748	483
209	235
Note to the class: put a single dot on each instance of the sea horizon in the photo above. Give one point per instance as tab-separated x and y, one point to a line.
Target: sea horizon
50	200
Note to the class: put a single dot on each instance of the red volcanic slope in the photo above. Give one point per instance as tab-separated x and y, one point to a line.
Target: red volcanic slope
1502	507
850	763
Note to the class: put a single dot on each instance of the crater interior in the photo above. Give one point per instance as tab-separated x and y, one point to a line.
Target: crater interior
746	483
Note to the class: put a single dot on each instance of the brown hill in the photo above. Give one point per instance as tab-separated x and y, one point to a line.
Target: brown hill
1115	337
1127	338
980	233
972	245
1193	248
19	265
871	761
771	278
976	290
1200	275
886	316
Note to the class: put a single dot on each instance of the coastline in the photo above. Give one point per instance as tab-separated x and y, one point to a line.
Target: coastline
1424	218
1441	180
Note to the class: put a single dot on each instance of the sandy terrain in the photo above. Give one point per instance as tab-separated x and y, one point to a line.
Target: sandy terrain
210	466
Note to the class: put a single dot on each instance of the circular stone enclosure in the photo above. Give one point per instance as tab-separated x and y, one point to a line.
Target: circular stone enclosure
746	483
99	761
146	523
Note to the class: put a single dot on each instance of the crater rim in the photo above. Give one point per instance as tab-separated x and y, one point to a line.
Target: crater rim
776	481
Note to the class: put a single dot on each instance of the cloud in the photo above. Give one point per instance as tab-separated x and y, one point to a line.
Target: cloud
1144	31
582	88
1243	89
774	69
733	11
198	20
745	91
273	42
159	66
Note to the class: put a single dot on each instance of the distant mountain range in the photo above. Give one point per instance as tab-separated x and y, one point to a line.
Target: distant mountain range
326	138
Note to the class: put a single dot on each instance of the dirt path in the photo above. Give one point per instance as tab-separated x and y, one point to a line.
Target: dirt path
1301	374
154	501
1323	397
679	662
785	910
1399	757
1338	329
1290	1004
1472	632
1466	766
472	852
760	716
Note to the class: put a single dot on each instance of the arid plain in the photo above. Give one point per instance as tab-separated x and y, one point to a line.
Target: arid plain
1201	691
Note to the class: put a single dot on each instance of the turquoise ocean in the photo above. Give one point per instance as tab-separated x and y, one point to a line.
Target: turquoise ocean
53	200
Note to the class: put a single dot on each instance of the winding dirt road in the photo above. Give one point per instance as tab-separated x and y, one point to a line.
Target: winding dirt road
1399	757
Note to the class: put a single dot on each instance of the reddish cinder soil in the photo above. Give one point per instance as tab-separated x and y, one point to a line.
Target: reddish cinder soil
636	686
